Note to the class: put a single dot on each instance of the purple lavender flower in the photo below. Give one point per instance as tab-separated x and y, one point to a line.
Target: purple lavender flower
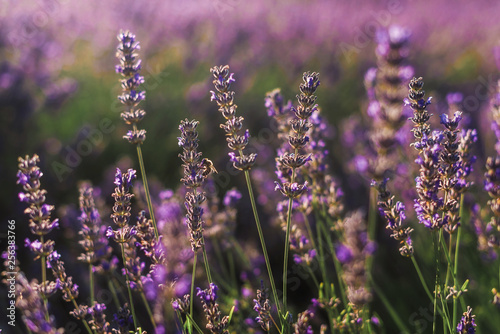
354	252
97	320
449	168
416	100
232	197
39	212
131	96
467	324
233	126
492	186
302	325
429	204
94	241
121	208
123	319
274	102
146	240
69	289
288	162
394	213
28	301
263	308
196	170
216	323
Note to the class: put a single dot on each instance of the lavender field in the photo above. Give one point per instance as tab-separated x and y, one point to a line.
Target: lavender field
250	167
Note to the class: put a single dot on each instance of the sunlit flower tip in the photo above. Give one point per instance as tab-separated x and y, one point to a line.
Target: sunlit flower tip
213	96
22	178
451	124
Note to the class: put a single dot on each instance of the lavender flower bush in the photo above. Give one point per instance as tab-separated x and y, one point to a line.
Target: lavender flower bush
312	217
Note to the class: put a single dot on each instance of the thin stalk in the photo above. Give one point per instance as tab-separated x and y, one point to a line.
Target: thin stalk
372	220
394	314
447	254
455	269
232	271
421	277
91	280
437	245
240	251
76	307
198	329
179	316
450	268
220	258
336	263
111	287
287	249
128	286
146	186
44	278
262	241
192	292
275	324
205	260
148	309
319	226
315	280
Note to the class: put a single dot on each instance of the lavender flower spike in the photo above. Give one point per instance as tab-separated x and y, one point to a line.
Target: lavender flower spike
217	324
29	175
94	241
416	100
131	96
29	303
196	170
394	213
121	208
236	141
263	308
467	324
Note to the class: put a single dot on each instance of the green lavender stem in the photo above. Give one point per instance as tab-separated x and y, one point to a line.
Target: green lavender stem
198	329
91	280
146	186
148	309
205	260
395	316
112	288
44	278
455	269
128	286
192	292
262	241
287	249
